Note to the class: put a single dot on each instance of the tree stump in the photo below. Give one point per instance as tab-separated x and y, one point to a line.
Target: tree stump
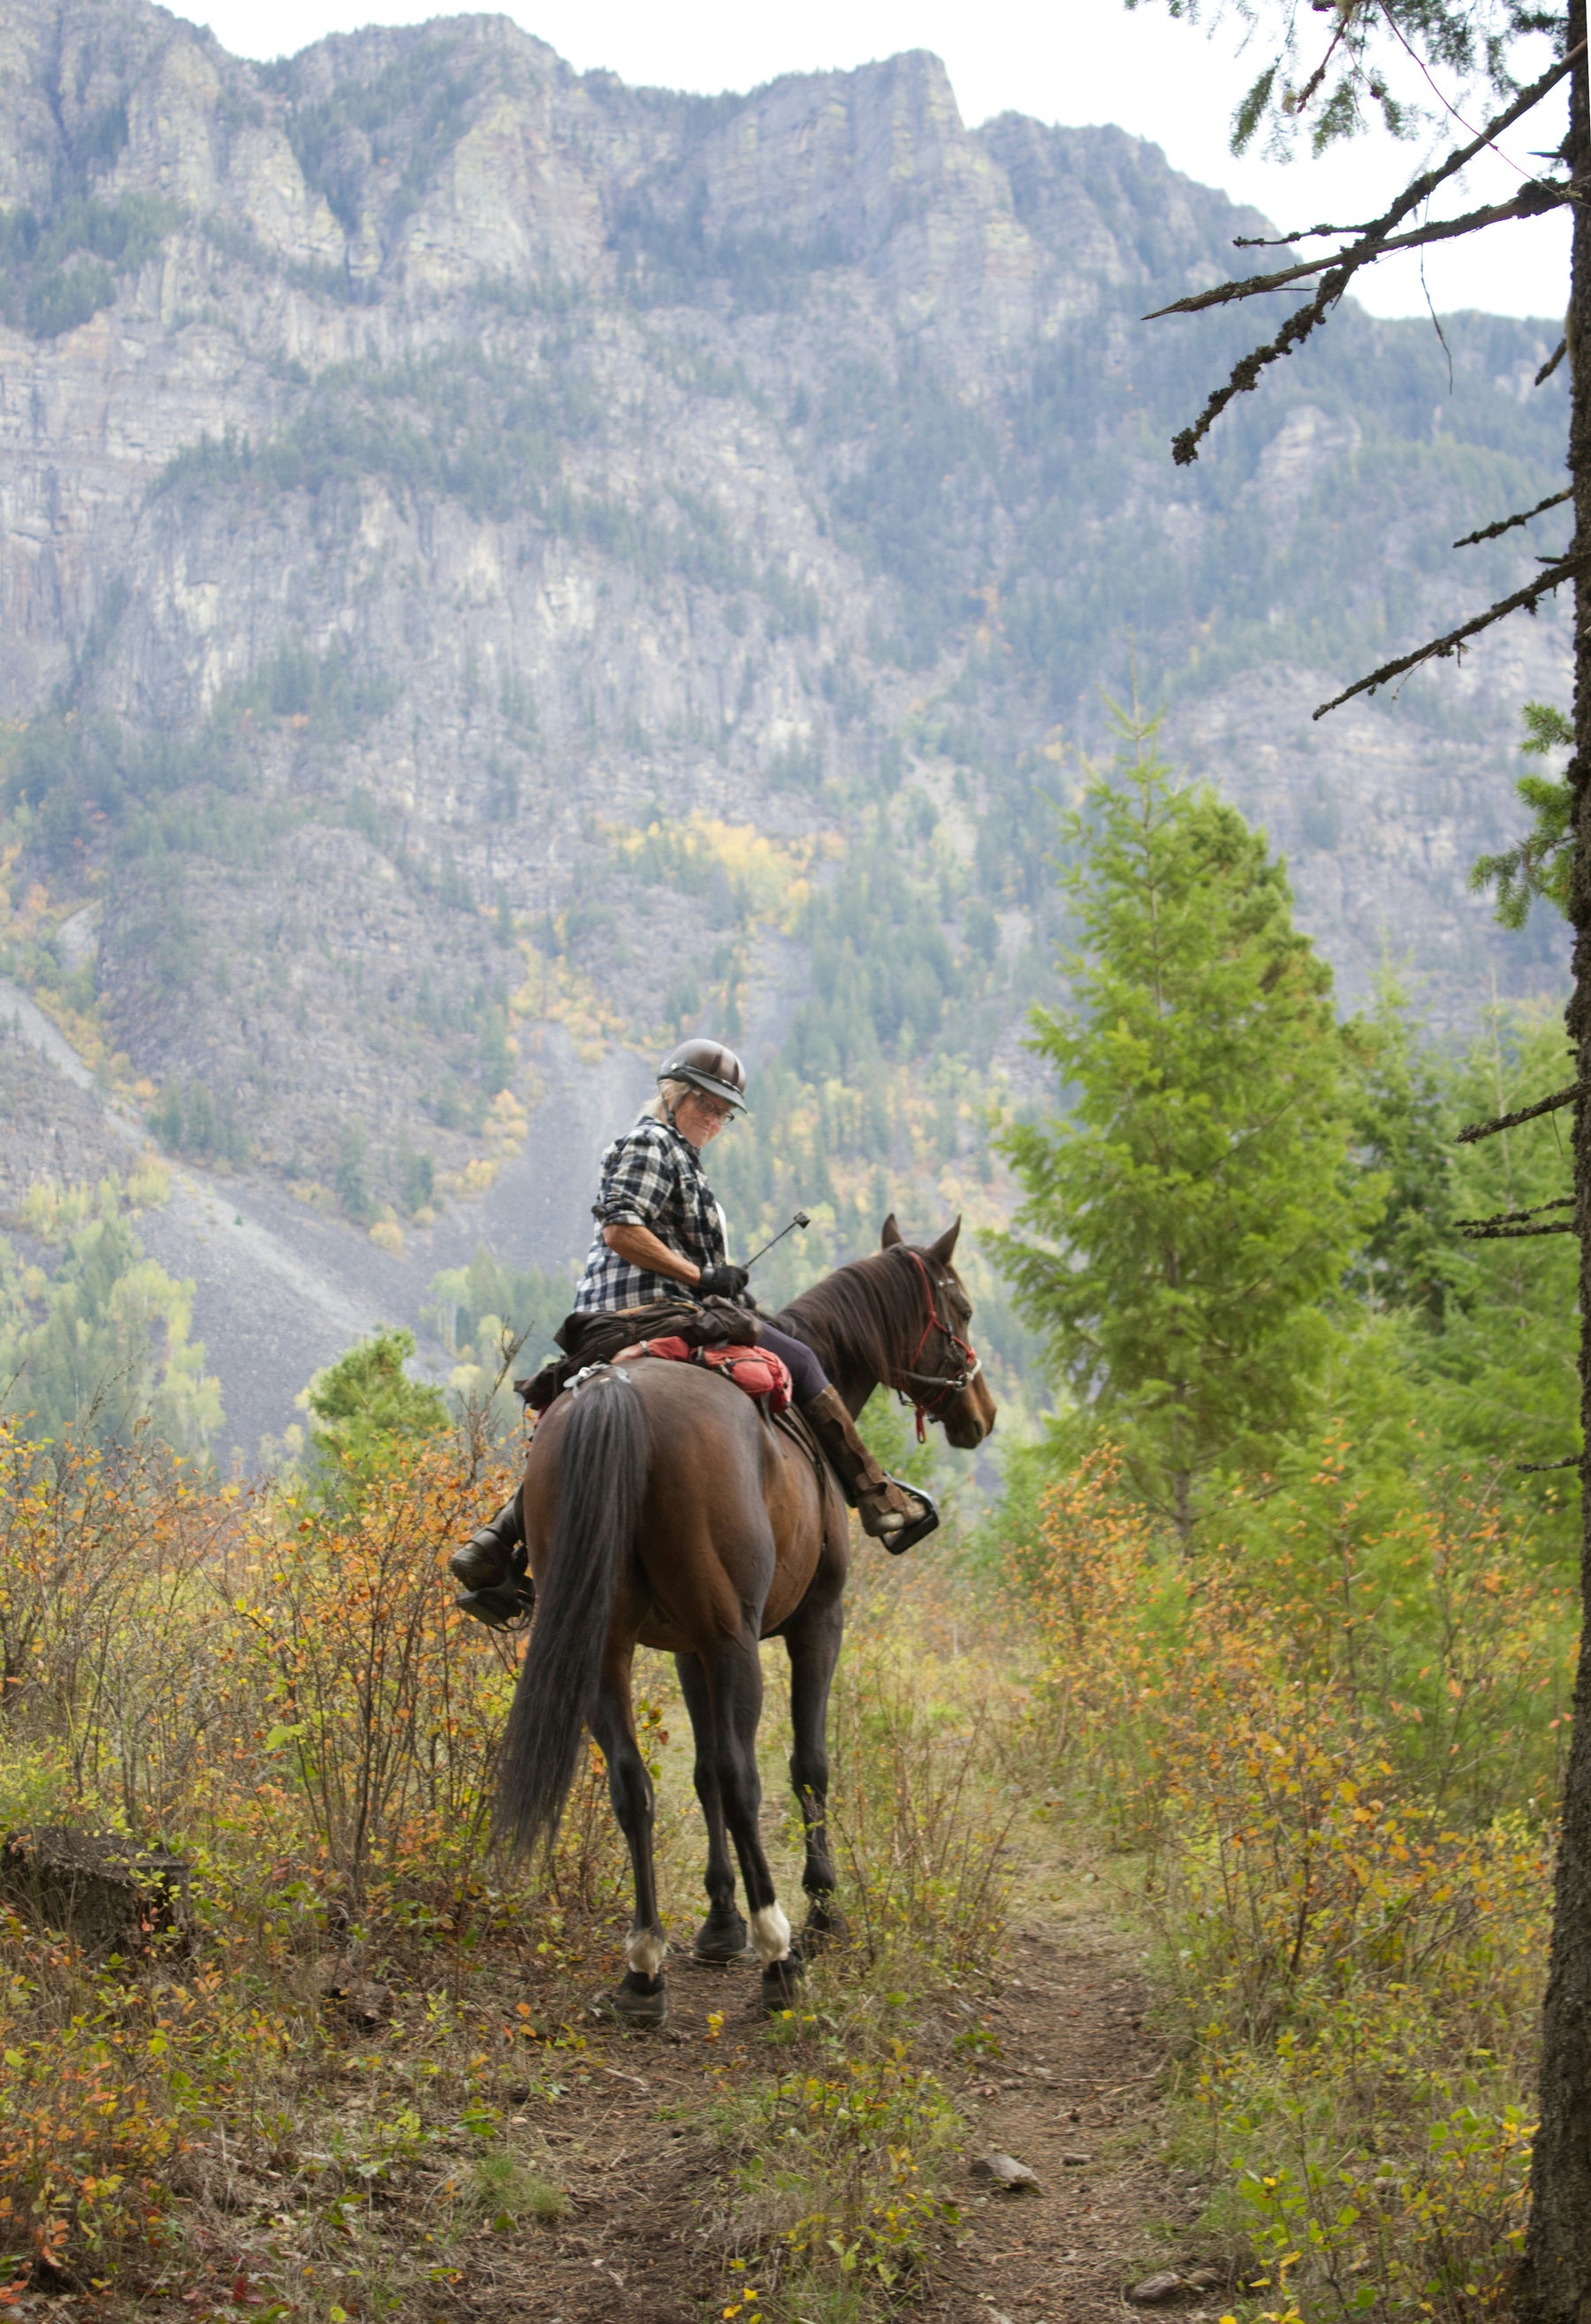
99	1887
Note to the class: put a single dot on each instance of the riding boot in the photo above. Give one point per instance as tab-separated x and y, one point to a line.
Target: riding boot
491	1565
895	1514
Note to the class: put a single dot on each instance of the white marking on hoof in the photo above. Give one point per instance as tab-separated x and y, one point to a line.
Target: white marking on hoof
770	1935
646	1951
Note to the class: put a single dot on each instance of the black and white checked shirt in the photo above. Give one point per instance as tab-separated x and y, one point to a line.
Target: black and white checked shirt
650	1178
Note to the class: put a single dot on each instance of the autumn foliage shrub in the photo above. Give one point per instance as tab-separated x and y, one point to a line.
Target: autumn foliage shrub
1332	1737
102	1661
378	1705
274	1685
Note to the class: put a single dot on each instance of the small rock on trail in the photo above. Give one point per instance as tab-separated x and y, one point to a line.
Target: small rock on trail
1077	2064
1005	2170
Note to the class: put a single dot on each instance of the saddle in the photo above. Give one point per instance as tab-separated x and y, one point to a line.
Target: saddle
594	1336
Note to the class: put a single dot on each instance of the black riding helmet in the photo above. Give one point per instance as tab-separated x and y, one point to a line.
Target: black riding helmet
708	1066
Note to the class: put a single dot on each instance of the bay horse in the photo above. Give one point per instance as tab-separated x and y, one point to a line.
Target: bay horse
661	1509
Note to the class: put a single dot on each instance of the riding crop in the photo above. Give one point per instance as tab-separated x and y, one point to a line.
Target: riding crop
799	1220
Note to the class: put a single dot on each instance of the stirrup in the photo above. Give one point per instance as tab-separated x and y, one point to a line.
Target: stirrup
920	1529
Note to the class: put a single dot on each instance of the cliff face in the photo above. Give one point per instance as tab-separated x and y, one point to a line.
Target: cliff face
484	550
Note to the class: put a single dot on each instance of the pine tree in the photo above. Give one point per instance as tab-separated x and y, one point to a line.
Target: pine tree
365	1406
1192	1206
1403	1128
1324	72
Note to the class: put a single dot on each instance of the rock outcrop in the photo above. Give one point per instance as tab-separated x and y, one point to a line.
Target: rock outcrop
482	547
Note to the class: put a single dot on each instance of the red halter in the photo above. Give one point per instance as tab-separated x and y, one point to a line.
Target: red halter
944	1384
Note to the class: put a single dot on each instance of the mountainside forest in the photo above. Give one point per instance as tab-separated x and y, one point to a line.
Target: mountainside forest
499	568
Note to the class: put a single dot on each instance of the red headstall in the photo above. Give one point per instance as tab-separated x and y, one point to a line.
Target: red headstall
944	1384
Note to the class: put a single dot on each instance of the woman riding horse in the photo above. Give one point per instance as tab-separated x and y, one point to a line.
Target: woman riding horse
659	1230
663	1508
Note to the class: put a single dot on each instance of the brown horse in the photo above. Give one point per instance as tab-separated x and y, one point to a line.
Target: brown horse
662	1509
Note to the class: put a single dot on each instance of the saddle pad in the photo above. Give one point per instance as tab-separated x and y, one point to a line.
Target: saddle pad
754	1370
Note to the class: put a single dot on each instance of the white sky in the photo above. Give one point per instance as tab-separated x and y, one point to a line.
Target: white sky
1070	62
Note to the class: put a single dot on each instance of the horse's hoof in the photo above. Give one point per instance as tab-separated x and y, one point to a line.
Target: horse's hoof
639	2001
720	1939
782	1983
826	1926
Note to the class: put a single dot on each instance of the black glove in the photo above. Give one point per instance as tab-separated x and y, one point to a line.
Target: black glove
722	1282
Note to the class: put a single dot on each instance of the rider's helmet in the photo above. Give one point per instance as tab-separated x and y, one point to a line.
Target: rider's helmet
708	1066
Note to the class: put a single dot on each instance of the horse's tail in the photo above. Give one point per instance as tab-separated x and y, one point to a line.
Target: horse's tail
601	1482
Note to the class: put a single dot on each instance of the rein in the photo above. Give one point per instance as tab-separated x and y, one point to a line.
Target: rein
907	1381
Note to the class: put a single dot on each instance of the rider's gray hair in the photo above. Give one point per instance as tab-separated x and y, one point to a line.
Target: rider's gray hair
668	1094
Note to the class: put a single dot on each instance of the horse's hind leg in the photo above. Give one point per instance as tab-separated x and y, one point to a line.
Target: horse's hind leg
736	1681
814	1644
722	1935
641	1998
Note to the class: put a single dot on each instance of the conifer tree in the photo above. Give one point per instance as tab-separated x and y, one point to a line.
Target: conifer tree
1326	71
1191	1206
365	1406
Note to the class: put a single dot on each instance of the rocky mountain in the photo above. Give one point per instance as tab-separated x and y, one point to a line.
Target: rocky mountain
498	567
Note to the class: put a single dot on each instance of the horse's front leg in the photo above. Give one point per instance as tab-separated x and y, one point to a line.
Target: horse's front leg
641	1998
813	1641
722	1936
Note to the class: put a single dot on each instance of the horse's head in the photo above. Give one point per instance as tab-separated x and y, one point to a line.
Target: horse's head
940	1369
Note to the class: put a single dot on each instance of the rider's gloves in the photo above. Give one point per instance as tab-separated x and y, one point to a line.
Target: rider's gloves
722	1282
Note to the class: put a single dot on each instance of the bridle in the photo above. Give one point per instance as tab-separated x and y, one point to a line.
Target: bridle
907	1381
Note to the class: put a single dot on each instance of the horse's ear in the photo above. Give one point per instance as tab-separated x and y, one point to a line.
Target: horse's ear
889	1234
944	1250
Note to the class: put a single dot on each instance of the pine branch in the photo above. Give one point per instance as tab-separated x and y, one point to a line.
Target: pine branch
1539	1468
1551	363
1372	244
1516	1234
1530	201
1510	1218
1507	523
1477	1129
1440	649
1246	375
1286	241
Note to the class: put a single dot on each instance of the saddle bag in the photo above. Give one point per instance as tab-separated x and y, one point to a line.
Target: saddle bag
754	1372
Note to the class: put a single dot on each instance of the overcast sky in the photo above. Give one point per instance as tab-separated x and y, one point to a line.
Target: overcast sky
1070	60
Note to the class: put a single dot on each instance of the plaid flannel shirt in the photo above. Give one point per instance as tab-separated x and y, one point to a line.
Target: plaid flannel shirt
650	1178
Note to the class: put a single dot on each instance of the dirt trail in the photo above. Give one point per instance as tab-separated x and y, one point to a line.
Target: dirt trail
1072	2095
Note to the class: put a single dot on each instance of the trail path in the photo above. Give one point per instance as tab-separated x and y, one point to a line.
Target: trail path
1072	2095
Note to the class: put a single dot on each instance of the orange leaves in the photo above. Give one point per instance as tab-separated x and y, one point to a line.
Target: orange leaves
384	1706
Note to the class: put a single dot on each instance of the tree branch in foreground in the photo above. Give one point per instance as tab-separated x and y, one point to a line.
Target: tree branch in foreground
1551	363
1516	1234
1475	1129
1440	649
1530	201
1286	241
1343	266
1539	1468
1507	523
1510	1218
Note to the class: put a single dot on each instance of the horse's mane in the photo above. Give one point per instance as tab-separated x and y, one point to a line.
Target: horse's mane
859	1314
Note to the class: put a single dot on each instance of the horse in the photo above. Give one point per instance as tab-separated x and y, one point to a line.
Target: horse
662	1509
